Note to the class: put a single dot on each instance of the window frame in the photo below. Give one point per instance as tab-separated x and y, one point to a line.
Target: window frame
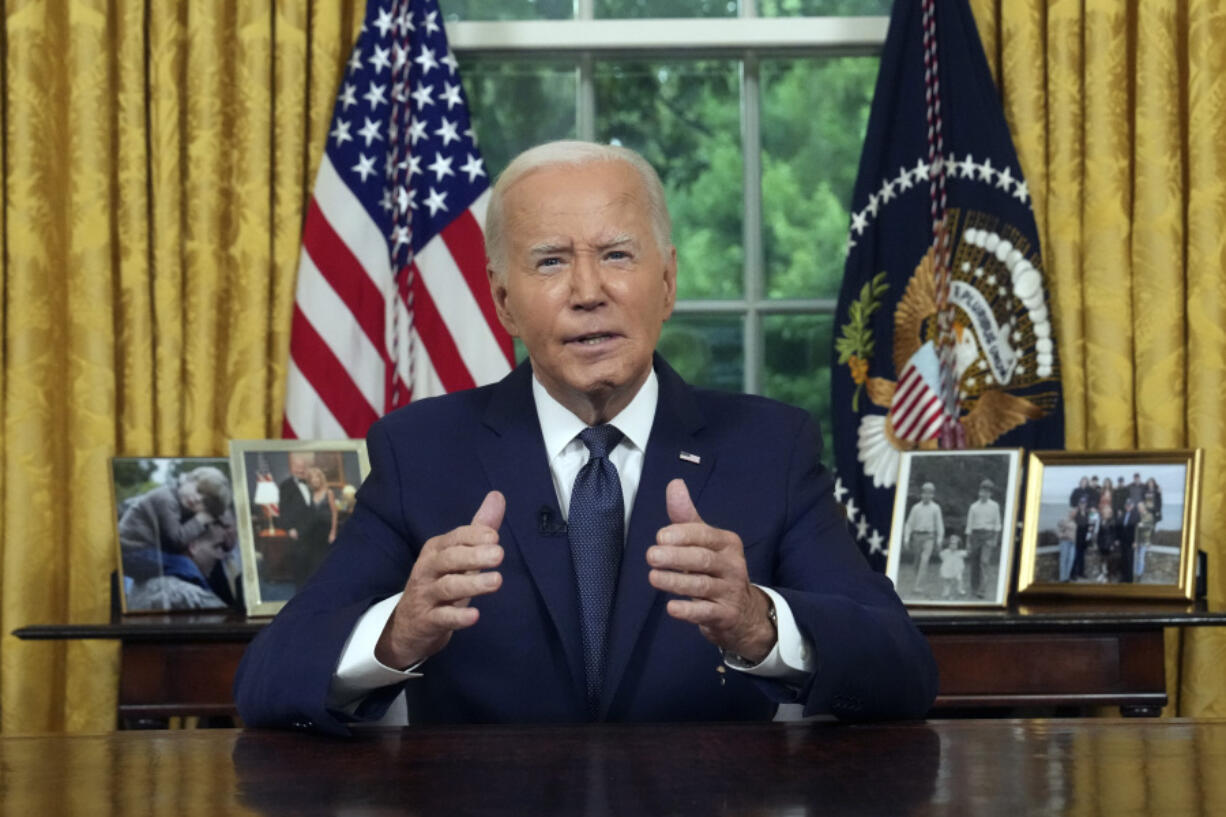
746	38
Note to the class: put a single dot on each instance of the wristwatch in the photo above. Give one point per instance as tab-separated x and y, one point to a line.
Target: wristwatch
738	662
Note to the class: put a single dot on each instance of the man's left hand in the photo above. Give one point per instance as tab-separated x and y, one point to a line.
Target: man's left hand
707	564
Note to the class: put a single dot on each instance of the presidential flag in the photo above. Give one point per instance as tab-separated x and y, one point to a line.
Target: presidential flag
392	302
943	335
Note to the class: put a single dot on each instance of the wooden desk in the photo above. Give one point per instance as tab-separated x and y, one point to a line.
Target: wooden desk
1073	767
1066	654
1056	655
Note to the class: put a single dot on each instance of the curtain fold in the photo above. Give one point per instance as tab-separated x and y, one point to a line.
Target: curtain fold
157	166
1118	111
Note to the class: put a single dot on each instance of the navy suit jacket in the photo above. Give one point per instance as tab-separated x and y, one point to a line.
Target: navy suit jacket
757	474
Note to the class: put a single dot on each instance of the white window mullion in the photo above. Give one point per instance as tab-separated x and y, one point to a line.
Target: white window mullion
754	271
585	104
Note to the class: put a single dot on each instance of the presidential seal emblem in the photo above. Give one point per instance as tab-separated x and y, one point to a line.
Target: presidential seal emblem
1004	363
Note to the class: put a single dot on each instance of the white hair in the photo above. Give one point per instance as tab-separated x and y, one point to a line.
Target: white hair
214	487
573	153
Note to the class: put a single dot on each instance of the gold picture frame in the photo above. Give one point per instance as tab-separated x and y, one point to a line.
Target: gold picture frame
1134	543
974	501
286	526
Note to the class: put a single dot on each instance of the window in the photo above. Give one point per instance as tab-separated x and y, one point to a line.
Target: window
754	114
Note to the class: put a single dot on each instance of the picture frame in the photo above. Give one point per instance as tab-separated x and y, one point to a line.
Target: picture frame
286	526
957	549
1145	552
175	535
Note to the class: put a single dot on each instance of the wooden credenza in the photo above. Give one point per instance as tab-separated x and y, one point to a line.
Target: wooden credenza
1064	656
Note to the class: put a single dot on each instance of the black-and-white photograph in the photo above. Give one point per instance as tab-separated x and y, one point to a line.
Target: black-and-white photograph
292	497
1099	521
951	541
177	534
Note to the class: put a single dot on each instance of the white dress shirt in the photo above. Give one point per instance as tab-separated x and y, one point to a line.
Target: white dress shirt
358	673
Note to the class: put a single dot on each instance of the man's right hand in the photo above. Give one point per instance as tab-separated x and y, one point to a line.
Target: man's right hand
451	569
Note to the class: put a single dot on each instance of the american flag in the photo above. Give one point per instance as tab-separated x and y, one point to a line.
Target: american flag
392	302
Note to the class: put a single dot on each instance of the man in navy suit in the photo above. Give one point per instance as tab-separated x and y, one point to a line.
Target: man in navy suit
737	585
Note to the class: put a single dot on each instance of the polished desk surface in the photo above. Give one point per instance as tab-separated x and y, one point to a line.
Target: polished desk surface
1048	767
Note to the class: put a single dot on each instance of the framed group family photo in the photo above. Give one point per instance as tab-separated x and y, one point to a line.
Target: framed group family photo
292	497
176	534
1115	523
951	540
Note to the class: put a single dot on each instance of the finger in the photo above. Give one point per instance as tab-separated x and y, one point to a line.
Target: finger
687	559
695	534
462	558
700	611
454	618
491	511
463	536
459	586
694	585
680	506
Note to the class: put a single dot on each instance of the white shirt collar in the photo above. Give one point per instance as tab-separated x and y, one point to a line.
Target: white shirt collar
559	425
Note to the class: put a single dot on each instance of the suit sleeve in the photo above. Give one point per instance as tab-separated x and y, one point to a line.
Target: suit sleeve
872	662
285	674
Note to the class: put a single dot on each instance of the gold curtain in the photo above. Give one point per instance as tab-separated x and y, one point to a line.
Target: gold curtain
158	156
1118	111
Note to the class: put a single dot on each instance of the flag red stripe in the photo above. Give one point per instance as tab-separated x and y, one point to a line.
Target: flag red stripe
925	400
910	379
344	273
433	332
921	415
933	428
906	402
329	378
466	243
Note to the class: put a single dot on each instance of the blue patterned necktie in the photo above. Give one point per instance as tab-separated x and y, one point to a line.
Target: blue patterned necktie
597	516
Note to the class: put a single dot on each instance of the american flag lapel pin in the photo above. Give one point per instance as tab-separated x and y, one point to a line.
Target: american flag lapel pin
688	457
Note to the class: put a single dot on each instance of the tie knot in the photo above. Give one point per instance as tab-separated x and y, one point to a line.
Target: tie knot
599	439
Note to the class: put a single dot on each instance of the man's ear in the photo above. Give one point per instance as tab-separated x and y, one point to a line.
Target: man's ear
670	283
498	292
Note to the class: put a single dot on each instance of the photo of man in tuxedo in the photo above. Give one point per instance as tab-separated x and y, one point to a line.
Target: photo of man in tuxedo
591	538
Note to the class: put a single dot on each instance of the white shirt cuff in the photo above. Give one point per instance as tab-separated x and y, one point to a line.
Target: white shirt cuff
791	660
358	673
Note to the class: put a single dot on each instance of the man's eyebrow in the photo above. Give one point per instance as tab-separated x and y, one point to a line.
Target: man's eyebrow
615	241
549	248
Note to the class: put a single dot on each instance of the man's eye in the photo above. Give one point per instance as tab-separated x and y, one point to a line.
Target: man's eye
549	262
617	255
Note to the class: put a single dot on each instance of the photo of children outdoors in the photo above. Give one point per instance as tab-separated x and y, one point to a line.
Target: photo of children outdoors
952	536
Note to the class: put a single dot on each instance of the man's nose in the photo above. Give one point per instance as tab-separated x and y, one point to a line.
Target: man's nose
586	282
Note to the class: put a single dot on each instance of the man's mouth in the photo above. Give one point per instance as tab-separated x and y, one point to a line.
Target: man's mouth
592	339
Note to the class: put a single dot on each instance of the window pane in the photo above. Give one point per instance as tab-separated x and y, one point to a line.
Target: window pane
797	370
666	8
684	117
707	350
454	10
823	8
517	104
814	116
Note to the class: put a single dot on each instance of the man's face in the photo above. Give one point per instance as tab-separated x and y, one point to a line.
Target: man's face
586	287
298	466
925	495
984	494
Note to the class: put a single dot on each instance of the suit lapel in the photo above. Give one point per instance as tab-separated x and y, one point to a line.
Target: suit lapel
676	421
519	467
